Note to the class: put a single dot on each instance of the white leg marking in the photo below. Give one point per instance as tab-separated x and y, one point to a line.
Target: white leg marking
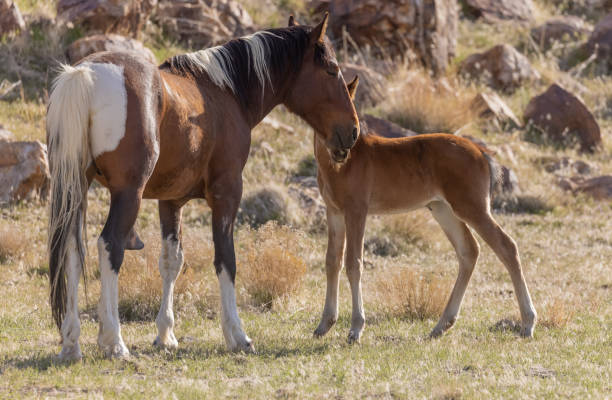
109	337
170	264
108	111
235	338
71	326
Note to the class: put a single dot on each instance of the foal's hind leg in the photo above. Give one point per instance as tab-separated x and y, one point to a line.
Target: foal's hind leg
333	265
111	247
170	264
506	250
466	248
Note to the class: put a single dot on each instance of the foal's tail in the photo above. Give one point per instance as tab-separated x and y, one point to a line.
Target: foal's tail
69	156
495	172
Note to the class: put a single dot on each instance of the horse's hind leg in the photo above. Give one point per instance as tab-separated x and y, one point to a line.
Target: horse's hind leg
466	248
506	250
111	247
333	265
170	264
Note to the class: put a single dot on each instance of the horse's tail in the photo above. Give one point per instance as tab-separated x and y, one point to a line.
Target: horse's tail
69	156
495	172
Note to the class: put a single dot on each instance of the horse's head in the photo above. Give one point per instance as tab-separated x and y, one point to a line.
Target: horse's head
321	97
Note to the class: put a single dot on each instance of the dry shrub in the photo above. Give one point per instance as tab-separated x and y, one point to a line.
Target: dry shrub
423	104
270	263
406	293
558	313
12	243
271	203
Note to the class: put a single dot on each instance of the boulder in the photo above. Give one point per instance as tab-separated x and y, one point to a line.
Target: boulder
371	84
599	187
10	17
426	29
563	118
491	106
5	135
203	23
559	29
495	10
24	171
592	9
381	127
566	166
600	42
126	17
111	42
501	67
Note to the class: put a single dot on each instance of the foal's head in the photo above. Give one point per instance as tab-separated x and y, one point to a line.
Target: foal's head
320	95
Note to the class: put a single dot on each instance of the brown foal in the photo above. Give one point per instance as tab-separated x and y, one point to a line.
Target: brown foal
447	174
173	133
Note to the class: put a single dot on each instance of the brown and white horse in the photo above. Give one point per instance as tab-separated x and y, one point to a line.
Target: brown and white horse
447	174
174	132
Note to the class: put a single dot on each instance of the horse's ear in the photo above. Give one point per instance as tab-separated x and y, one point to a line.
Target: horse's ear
352	87
292	21
318	32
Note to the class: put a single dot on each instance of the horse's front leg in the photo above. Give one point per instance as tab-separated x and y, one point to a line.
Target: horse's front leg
355	228
224	200
333	265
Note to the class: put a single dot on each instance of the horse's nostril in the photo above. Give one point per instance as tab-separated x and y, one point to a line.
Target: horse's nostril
355	132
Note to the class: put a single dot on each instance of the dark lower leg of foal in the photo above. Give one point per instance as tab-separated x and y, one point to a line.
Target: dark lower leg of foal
111	248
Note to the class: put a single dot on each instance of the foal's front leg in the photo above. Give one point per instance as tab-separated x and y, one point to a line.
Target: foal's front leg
355	228
224	206
333	264
170	264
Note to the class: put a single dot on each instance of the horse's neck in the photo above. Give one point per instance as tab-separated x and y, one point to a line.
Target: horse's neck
263	101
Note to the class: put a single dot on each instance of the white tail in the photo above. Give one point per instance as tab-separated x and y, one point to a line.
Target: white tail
69	156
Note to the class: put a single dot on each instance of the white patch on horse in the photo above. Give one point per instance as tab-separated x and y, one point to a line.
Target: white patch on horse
108	110
235	337
170	264
215	61
109	336
71	326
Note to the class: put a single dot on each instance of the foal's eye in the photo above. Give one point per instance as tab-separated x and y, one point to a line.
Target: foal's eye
333	70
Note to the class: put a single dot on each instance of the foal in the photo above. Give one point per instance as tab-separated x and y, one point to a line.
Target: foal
447	174
174	132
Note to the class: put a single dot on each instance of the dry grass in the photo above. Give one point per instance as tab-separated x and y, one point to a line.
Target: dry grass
420	103
272	267
406	293
558	313
12	243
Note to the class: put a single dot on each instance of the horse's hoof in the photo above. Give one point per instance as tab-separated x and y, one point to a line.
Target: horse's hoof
118	352
324	326
354	337
133	241
436	333
169	343
248	347
70	354
527	331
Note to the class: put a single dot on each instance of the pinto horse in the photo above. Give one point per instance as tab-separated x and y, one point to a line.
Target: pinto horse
447	174
174	132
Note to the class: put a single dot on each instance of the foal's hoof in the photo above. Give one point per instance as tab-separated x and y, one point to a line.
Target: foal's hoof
436	333
354	337
324	327
70	354
169	343
527	331
118	352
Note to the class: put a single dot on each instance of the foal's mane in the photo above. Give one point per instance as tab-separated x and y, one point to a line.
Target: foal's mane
254	60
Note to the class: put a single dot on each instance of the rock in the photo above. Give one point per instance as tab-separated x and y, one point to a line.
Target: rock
426	29
592	9
5	135
277	125
266	204
10	17
8	89
600	42
371	84
381	127
563	118
599	187
565	166
491	106
203	23
317	6
126	17
501	67
495	10
24	171
111	42
559	29
305	191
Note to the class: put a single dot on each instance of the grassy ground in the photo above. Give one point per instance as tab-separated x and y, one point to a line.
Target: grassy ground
566	254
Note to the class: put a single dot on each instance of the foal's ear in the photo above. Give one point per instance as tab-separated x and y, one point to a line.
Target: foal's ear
292	21
352	87
318	32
